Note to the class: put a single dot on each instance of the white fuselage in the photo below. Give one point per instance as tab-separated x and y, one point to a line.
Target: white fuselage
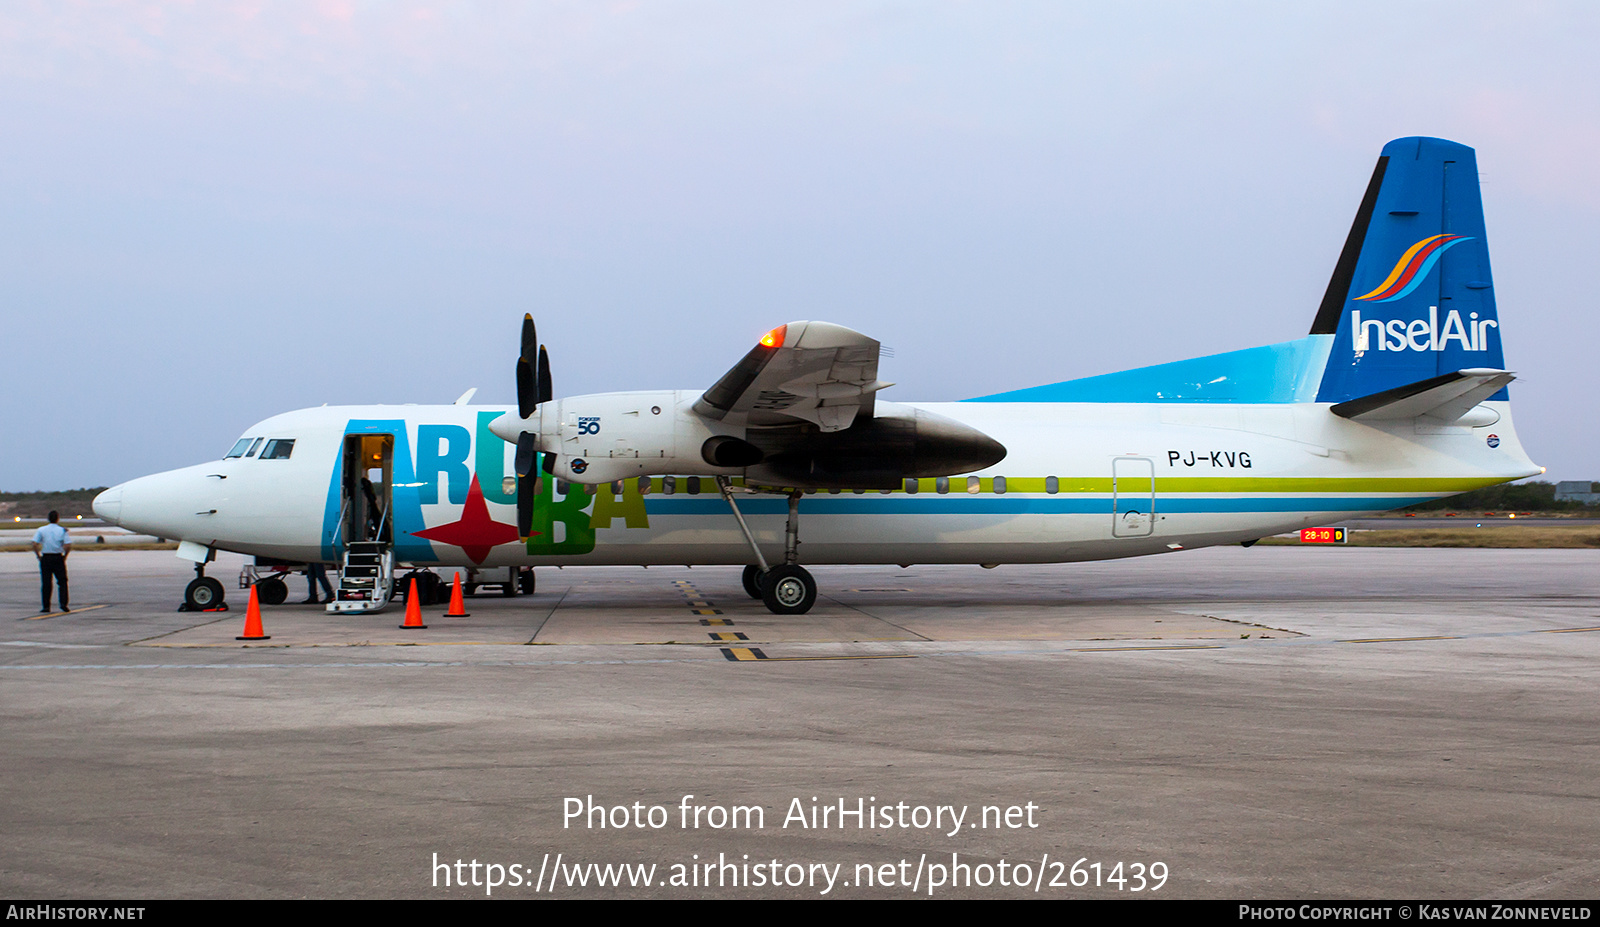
1076	484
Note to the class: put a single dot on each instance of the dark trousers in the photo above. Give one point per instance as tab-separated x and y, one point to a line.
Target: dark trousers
317	573
52	566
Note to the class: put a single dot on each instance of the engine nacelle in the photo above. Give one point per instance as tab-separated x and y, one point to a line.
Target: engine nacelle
605	437
897	443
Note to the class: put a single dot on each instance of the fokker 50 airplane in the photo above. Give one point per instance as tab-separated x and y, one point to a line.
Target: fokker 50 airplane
1398	395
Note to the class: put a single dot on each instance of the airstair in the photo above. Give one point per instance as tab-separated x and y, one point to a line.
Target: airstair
367	580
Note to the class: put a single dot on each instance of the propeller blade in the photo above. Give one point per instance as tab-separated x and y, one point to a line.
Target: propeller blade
546	393
548	463
530	337
527	394
527	448
525	494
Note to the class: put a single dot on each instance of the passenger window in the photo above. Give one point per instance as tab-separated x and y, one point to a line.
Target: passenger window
239	448
561	487
942	485
669	484
694	485
616	488
254	446
999	484
644	485
974	484
1050	485
278	449
912	487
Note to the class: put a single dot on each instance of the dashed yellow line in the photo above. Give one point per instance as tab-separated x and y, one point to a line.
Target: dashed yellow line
60	614
1391	640
863	656
753	654
724	636
1179	647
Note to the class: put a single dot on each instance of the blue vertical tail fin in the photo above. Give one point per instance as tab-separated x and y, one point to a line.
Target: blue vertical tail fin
1411	297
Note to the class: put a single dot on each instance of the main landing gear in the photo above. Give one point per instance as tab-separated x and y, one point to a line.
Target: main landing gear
272	590
752	581
791	588
788	588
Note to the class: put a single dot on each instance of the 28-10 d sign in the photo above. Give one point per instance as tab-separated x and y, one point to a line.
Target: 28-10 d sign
1322	535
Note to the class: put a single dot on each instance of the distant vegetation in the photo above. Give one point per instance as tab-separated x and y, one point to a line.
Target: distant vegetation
69	502
1534	496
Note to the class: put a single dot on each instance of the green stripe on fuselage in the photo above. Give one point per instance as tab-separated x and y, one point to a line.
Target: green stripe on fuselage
1233	484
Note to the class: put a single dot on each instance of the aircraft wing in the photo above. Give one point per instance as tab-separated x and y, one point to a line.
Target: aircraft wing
813	372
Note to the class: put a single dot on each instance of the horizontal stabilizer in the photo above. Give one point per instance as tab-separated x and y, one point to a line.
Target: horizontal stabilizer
1444	398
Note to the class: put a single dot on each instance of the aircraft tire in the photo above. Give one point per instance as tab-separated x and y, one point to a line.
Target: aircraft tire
752	581
272	591
203	593
789	590
527	582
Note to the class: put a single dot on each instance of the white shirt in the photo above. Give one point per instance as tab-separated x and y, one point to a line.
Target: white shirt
52	539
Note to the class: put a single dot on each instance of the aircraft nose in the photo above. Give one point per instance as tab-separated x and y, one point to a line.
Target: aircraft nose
108	505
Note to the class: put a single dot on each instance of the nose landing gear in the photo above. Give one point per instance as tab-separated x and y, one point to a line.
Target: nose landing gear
203	593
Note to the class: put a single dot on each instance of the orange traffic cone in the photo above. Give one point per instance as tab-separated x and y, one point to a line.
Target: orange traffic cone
458	608
413	610
252	621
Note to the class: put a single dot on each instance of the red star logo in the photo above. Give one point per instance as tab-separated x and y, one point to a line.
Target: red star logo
475	533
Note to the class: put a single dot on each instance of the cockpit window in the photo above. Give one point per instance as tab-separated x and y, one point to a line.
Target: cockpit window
278	449
255	446
238	449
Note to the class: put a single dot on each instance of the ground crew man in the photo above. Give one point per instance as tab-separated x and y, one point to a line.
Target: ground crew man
52	545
